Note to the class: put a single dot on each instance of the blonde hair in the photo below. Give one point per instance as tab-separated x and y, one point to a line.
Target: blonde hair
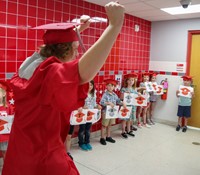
3	97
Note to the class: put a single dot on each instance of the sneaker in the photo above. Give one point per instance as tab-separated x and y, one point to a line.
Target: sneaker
83	147
152	122
133	128
184	129
131	133
139	125
110	139
124	135
149	122
178	127
89	147
103	141
146	125
70	155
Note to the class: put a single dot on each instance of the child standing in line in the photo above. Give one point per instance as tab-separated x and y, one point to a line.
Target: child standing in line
108	98
129	87
143	109
184	106
153	99
84	129
3	108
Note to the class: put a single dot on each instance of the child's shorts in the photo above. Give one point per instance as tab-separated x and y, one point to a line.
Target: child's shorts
184	111
3	146
107	122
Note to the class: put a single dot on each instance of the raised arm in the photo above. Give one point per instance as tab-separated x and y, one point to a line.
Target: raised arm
92	61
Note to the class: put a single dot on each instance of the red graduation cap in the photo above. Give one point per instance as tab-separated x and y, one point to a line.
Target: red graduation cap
186	78
154	74
111	81
58	33
146	74
134	75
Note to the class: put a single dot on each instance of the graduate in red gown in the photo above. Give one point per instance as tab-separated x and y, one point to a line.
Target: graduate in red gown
47	88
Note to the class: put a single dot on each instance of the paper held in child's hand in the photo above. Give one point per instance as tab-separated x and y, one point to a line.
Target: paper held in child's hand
85	116
159	90
185	91
128	98
139	100
124	113
6	124
149	87
111	113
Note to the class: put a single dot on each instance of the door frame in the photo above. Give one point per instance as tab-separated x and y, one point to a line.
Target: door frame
188	59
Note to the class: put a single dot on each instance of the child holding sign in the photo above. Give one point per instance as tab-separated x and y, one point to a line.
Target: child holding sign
129	87
185	95
109	98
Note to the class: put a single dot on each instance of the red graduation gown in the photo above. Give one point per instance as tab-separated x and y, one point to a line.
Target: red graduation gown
43	104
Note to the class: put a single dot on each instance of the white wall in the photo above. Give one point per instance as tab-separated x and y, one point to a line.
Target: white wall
166	110
169	39
168	48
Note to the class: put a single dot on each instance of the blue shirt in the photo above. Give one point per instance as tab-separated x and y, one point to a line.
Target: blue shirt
109	97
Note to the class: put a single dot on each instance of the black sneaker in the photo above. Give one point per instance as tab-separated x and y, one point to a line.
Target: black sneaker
103	141
184	129
124	135
131	133
133	128
178	128
110	139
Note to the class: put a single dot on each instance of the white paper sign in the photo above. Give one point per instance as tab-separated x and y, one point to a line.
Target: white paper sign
185	91
85	116
112	113
159	90
124	113
119	84
128	98
154	86
139	100
98	117
148	86
92	115
3	114
6	124
78	118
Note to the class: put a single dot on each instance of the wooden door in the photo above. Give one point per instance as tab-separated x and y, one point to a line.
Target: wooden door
194	71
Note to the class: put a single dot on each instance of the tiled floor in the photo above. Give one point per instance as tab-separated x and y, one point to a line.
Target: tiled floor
159	150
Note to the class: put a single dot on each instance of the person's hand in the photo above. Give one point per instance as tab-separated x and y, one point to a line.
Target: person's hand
99	107
80	109
111	104
85	23
85	107
177	92
115	13
124	105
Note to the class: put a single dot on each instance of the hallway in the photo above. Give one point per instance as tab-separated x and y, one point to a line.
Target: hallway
158	150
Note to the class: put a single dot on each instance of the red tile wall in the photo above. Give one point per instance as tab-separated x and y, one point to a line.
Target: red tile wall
130	53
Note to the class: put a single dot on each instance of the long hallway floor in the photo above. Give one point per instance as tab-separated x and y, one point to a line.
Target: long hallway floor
158	150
